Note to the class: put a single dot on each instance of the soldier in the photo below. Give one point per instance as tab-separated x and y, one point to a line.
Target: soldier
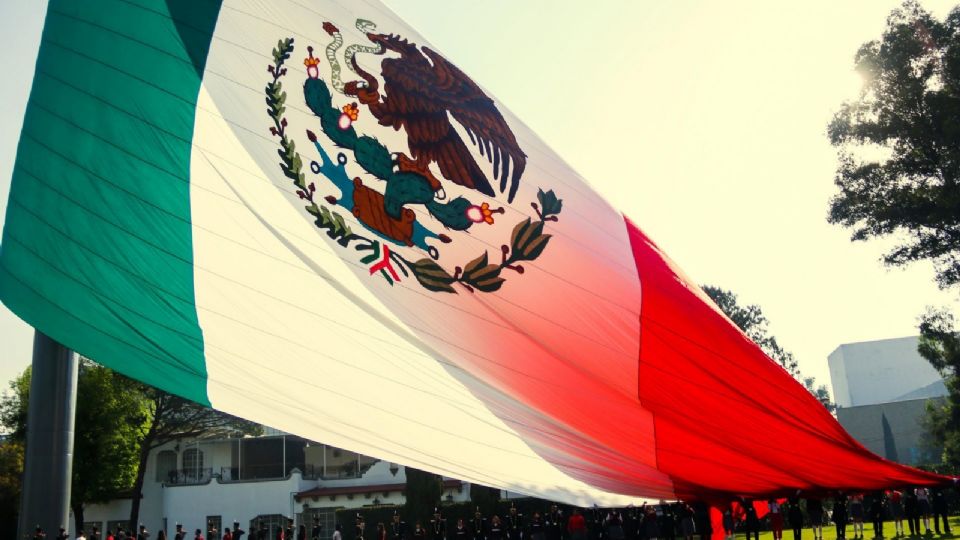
237	531
212	533
288	533
514	524
538	529
419	533
478	526
398	527
460	532
180	534
359	527
262	531
554	523
143	534
62	535
95	533
317	529
495	532
438	526
39	534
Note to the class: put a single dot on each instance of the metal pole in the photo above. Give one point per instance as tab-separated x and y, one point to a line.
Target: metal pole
48	460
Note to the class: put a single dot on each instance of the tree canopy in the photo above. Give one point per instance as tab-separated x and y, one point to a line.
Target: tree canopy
899	143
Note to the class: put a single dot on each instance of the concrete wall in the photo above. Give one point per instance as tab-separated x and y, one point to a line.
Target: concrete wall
874	372
865	424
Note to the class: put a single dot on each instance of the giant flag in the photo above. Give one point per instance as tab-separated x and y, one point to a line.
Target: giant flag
300	213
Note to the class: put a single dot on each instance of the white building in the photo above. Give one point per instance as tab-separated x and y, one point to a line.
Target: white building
883	371
881	389
253	479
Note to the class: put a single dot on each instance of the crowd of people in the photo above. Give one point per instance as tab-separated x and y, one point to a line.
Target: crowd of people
665	521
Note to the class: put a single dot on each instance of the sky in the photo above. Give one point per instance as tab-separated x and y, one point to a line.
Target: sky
704	122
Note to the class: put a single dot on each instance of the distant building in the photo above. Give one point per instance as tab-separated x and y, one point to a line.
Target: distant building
881	389
882	371
257	479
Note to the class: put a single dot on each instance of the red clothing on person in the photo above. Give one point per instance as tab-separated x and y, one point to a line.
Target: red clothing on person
576	523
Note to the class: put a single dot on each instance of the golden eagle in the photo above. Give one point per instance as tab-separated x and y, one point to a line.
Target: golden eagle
420	90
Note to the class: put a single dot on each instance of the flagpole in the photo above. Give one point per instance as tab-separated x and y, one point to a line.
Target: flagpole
48	464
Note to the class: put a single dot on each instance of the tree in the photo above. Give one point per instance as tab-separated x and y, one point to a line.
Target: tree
109	413
940	345
173	418
11	470
753	323
899	143
485	498
423	493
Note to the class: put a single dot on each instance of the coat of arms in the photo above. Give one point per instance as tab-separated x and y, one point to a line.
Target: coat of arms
421	92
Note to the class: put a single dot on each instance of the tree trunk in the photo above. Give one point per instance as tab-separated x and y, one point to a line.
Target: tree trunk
138	484
77	518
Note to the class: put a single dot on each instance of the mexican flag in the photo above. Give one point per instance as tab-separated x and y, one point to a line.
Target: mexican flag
300	213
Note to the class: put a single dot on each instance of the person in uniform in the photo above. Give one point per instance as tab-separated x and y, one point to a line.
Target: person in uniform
143	534
62	534
212	532
478	526
631	523
237	531
876	514
668	522
381	531
39	534
262	532
302	532
856	514
460	532
438	527
198	535
359	527
288	533
317	529
815	511
795	517
911	510
95	533
751	523
495	531
419	533
227	534
538	529
840	515
613	525
398	527
514	525
940	511
180	534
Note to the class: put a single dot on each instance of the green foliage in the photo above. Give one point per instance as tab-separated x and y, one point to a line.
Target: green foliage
423	493
11	470
109	418
820	392
940	345
485	498
899	143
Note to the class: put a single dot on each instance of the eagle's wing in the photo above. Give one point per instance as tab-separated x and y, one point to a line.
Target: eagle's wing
477	113
449	89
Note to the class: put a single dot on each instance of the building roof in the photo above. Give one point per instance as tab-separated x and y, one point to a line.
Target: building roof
371	488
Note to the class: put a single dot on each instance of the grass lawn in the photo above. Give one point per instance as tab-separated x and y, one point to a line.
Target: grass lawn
830	532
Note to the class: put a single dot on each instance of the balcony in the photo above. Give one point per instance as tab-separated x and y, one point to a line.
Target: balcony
187	477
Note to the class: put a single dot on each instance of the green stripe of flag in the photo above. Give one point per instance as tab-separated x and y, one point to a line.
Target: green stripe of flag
97	250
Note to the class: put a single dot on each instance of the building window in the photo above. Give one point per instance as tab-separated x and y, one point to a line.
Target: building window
192	461
326	518
272	523
215	522
166	465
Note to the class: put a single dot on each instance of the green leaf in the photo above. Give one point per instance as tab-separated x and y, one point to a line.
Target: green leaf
488	285
432	276
474	265
533	250
518	230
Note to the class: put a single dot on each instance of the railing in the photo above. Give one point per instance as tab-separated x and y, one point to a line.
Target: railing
185	477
